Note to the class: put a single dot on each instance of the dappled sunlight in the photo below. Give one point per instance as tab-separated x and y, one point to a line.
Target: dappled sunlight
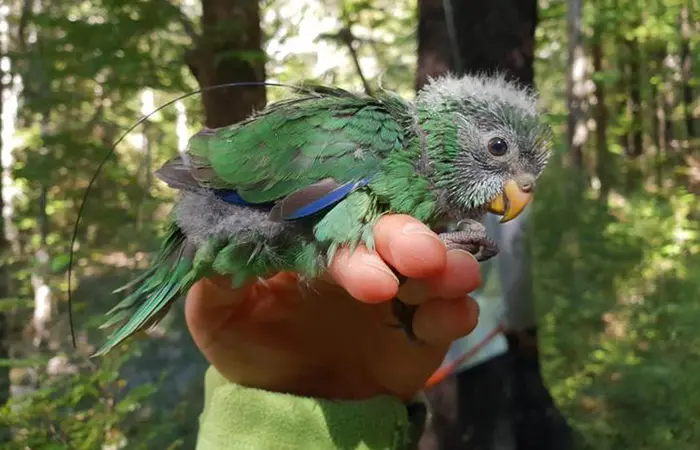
620	305
615	235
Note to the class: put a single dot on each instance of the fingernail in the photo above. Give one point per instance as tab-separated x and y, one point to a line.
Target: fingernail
423	257
413	229
370	261
461	252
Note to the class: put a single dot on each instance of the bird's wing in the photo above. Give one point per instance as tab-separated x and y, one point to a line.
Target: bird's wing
300	155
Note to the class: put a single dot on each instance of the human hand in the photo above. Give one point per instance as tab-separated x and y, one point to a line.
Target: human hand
333	338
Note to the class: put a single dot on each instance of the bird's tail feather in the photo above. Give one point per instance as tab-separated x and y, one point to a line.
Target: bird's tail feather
170	275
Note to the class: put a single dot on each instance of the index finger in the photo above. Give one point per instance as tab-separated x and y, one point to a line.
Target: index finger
409	246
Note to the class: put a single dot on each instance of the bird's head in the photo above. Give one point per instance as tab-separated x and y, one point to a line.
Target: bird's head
502	143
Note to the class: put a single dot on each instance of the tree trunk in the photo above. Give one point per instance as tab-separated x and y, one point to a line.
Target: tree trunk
621	106
4	293
669	104
656	132
501	403
433	42
229	50
5	214
656	110
145	172
604	169
576	85
664	99
43	293
636	147
634	176
686	73
506	26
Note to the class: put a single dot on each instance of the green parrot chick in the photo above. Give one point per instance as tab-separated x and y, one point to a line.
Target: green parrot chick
284	189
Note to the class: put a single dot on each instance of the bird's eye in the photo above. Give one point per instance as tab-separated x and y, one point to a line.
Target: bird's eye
498	147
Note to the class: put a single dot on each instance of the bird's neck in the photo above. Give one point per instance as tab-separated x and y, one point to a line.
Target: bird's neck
434	139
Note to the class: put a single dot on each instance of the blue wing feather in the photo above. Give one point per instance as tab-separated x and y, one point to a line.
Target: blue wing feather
233	198
327	200
317	205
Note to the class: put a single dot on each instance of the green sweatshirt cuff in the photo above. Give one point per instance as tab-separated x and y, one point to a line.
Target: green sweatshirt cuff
242	418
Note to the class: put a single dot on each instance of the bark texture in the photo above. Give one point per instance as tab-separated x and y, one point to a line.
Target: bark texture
229	50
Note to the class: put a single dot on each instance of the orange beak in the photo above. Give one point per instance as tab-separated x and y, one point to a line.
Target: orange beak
512	201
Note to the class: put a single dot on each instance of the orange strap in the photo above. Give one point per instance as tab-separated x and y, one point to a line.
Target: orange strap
445	371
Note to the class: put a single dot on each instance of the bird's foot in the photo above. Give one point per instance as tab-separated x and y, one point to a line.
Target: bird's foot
471	236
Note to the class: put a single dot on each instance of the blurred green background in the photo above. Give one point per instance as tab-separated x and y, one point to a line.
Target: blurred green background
616	221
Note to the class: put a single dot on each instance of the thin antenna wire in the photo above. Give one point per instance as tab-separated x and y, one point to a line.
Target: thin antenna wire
458	64
111	151
452	35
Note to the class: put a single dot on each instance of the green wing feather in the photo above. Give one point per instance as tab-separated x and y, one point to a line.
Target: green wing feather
293	144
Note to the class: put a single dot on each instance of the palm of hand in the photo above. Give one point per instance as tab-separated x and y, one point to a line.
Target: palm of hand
333	338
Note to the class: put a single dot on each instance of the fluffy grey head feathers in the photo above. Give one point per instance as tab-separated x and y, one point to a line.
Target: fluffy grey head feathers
479	88
500	133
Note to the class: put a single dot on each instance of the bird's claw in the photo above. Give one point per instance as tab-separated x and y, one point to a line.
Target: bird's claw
404	314
471	236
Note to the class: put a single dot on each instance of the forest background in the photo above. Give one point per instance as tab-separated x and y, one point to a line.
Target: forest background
615	249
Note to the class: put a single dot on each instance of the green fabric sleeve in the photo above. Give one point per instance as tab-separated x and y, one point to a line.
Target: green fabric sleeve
242	418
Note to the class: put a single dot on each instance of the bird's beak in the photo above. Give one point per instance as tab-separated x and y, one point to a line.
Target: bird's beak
512	201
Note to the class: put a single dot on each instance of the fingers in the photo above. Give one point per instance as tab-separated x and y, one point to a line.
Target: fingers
402	242
409	246
413	250
364	275
459	277
442	321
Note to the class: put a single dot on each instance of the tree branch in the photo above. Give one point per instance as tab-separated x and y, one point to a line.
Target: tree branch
186	23
349	39
22	25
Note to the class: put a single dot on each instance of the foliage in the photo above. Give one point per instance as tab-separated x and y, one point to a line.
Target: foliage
617	286
617	261
305	42
94	409
84	67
